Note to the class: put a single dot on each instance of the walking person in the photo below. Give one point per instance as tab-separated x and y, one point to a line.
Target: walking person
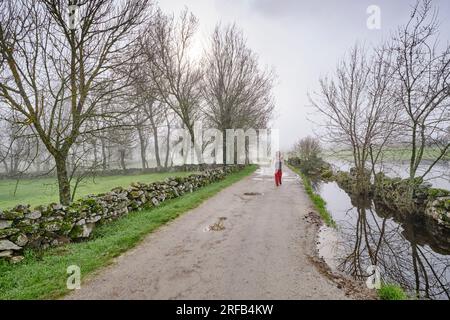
278	162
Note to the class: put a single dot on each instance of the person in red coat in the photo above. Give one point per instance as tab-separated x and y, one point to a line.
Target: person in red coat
278	164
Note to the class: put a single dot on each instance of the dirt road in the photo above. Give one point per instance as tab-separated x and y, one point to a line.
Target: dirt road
259	250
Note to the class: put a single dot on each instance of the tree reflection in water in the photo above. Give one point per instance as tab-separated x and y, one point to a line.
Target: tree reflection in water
411	251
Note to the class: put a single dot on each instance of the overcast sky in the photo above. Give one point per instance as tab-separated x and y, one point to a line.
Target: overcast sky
301	40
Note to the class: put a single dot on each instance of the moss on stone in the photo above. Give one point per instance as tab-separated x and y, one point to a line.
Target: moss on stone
436	193
76	232
66	227
8	232
12	215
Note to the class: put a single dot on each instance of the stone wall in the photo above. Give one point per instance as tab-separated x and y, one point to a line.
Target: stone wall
395	193
348	181
438	207
50	225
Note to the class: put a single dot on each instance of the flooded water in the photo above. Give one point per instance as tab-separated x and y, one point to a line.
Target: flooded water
413	252
439	176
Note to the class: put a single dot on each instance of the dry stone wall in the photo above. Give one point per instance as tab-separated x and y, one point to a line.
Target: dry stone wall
50	225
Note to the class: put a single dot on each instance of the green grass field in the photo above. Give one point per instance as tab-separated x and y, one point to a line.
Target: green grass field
43	275
388	154
45	190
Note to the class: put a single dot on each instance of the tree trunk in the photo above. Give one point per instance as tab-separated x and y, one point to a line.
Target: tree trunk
15	162
197	149
63	180
104	156
224	147
143	148
247	151
122	160
156	142
166	162
94	145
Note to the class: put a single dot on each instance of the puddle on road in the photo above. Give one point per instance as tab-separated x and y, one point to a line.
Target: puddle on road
218	226
252	194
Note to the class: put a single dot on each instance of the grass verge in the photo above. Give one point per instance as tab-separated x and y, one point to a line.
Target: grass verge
42	275
392	292
319	203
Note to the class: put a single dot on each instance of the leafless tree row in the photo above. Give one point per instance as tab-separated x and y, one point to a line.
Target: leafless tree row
236	92
123	78
396	96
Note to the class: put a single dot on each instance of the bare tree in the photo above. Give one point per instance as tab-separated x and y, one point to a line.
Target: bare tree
50	70
122	140
82	162
170	119
237	93
308	148
166	43
19	147
422	70
149	108
358	108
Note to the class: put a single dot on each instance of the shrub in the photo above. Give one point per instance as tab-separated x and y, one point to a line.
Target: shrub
392	292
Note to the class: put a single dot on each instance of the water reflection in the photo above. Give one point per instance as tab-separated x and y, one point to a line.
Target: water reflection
411	251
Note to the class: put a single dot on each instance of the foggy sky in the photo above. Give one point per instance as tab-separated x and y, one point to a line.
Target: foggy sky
301	40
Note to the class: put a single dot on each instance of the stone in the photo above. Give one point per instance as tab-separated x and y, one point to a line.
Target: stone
8	245
21	240
4	233
5	224
82	231
94	219
155	202
109	197
16	259
21	208
33	215
87	230
24	223
11	215
136	194
56	206
81	222
6	253
52	226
